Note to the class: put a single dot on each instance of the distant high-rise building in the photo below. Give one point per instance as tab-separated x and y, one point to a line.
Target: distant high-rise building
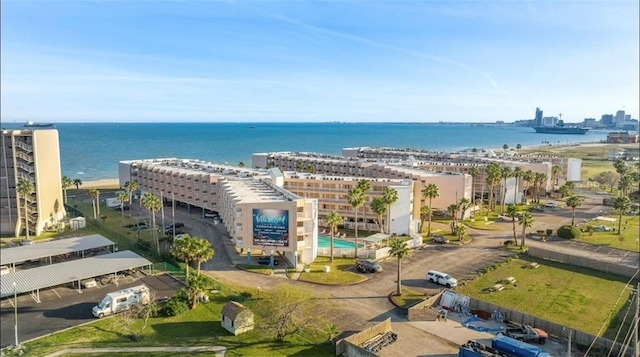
607	119
619	117
538	120
627	117
33	155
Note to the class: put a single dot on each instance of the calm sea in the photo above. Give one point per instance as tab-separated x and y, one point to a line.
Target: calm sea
92	151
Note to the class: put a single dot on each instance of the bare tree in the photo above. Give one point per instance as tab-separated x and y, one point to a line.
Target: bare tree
126	319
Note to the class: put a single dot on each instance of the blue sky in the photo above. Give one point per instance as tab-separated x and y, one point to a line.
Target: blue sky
357	61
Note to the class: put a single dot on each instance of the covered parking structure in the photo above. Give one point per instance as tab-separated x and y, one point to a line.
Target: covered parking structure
377	238
13	256
32	280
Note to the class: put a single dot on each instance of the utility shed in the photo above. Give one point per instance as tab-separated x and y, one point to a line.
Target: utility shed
236	318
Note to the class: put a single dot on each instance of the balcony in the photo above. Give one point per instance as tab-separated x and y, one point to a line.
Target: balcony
25	167
25	157
24	146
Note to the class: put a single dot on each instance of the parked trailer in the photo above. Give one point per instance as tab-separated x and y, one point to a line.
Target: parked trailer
121	300
476	349
112	202
516	348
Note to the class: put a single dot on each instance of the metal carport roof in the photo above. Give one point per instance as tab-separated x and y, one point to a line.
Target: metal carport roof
52	248
56	274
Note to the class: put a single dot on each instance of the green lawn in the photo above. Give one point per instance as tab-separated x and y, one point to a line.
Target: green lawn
408	297
627	240
338	274
199	327
259	269
576	297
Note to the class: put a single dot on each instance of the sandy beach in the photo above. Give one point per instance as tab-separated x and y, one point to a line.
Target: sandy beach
106	183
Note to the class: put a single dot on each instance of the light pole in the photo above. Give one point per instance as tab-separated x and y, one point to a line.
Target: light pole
15	310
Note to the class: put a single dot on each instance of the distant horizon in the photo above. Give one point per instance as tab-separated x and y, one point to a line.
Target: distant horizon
373	61
268	122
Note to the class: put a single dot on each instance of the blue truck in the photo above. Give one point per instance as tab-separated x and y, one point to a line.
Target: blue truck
501	346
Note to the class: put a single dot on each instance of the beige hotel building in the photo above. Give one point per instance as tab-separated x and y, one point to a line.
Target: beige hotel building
33	155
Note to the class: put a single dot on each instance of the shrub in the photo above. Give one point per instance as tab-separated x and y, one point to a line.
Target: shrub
175	307
569	232
549	232
509	243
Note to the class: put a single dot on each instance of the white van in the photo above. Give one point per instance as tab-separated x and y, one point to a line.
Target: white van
441	278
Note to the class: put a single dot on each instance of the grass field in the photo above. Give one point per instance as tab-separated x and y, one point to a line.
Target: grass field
627	240
338	274
575	297
199	327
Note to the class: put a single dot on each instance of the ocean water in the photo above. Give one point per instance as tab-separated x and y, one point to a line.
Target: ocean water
92	151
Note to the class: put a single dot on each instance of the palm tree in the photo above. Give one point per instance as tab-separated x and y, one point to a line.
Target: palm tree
430	191
556	170
131	186
622	204
493	176
463	205
527	177
460	231
542	180
573	202
424	214
518	147
400	250
506	172
625	183
202	251
77	182
66	183
474	171
380	209
517	173
564	190
526	221
621	167
241	164
333	220
153	205
355	198
505	147
95	195
389	197
453	210
364	185
512	212
24	189
122	197
184	249
196	287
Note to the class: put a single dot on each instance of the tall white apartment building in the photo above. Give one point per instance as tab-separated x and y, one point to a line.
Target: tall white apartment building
33	155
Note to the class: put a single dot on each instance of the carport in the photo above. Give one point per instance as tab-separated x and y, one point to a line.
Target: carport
607	219
11	256
376	238
32	280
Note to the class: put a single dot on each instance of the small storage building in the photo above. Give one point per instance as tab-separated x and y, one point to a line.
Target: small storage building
236	318
77	223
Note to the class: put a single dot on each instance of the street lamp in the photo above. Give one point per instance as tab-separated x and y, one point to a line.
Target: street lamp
15	311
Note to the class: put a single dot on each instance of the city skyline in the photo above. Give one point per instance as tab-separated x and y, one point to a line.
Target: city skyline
355	61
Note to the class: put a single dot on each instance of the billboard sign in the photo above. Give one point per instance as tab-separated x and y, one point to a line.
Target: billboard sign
271	227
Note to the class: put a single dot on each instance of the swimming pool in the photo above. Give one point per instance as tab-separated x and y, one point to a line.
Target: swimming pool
325	242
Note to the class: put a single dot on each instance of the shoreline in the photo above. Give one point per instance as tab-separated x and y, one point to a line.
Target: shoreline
103	183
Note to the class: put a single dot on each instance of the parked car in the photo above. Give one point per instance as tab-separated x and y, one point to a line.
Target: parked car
140	227
5	270
26	242
267	261
601	228
368	266
441	278
124	207
439	239
176	224
507	218
536	209
169	232
551	205
601	193
211	215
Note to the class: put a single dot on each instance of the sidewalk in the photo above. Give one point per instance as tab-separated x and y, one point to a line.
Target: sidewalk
218	350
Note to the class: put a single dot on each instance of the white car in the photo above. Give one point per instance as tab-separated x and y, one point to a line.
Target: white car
601	228
441	278
601	193
551	205
507	218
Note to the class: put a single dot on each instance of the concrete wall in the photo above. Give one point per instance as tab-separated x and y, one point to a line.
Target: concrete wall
560	331
584	262
351	345
424	311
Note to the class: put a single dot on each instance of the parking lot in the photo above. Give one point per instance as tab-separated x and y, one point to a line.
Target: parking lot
63	306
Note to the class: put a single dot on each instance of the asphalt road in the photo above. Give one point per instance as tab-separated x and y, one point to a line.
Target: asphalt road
63	307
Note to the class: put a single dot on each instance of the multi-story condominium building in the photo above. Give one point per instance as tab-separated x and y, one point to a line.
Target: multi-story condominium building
256	211
462	163
332	191
33	155
452	186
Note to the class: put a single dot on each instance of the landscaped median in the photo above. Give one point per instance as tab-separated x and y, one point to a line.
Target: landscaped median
338	274
408	298
576	297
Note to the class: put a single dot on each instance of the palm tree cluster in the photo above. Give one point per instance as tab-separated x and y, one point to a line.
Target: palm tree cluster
192	249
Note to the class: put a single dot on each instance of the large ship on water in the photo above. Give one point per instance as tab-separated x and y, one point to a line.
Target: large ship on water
560	128
31	124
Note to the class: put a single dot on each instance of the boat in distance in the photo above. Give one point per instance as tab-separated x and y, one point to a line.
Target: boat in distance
560	128
31	124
